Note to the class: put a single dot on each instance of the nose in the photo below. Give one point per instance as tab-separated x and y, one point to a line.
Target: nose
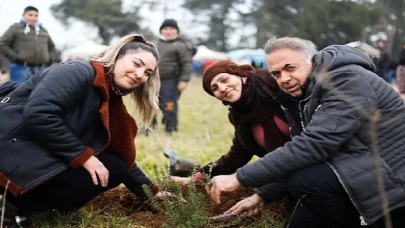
139	72
284	77
221	88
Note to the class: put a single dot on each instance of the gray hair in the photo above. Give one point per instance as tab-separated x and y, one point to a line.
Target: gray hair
146	95
306	47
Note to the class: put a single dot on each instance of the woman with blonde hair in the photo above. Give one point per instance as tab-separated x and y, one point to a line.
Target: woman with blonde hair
66	136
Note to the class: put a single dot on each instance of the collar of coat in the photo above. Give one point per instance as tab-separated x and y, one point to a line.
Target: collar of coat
120	126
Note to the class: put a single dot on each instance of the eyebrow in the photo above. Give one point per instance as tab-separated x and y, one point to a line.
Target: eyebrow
284	67
140	61
215	84
143	63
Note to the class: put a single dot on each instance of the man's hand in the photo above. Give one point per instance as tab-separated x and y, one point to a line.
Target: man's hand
248	207
97	169
222	183
181	86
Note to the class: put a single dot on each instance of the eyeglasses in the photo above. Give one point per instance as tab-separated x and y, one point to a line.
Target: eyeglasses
287	68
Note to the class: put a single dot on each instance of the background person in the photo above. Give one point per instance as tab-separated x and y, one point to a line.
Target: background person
28	46
175	71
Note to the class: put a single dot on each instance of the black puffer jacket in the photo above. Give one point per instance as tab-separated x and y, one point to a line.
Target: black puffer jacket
58	119
335	128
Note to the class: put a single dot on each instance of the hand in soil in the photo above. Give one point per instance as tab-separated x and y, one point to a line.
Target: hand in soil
222	183
248	207
181	180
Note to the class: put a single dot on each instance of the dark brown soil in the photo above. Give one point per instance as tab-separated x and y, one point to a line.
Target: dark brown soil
121	200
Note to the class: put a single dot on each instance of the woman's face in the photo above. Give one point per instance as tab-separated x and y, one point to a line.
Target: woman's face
227	87
134	69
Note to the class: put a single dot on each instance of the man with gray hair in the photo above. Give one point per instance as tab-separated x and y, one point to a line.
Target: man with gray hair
345	164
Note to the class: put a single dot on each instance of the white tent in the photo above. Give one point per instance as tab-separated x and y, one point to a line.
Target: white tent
203	53
83	51
366	48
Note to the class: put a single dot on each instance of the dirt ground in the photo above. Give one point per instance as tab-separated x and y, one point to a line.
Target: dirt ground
121	200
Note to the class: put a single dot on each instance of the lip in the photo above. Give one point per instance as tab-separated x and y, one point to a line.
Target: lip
134	81
227	93
292	88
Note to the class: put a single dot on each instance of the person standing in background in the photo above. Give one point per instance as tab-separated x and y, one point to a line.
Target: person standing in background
27	45
400	74
175	71
383	62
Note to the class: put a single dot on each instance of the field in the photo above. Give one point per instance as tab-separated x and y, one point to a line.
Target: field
204	134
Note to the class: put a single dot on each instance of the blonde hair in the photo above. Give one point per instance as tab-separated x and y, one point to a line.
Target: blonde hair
146	95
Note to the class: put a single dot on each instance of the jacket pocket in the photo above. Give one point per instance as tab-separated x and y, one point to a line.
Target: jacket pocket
6	166
388	170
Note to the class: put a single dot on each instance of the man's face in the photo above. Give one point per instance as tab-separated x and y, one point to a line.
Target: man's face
31	17
169	33
290	69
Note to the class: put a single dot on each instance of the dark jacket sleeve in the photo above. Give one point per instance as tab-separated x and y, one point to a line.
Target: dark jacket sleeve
237	157
136	178
185	63
58	92
272	192
338	118
7	41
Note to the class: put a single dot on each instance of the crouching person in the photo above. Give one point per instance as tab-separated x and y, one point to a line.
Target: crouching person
259	121
66	135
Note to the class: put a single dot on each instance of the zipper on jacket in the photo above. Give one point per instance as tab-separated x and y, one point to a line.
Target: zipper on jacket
362	221
14	140
95	105
302	117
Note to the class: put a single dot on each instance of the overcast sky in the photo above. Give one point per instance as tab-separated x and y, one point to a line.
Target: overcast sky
11	11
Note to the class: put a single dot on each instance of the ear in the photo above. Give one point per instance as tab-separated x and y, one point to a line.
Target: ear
244	80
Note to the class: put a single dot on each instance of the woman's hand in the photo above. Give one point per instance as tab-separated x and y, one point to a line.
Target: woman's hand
248	207
97	169
220	184
181	180
198	178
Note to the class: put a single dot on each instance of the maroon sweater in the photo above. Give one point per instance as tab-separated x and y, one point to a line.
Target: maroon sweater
244	143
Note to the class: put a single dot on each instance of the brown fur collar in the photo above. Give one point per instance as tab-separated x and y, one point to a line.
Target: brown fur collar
120	126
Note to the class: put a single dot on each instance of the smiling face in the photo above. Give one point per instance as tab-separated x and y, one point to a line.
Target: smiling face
290	69
227	87
133	69
31	17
